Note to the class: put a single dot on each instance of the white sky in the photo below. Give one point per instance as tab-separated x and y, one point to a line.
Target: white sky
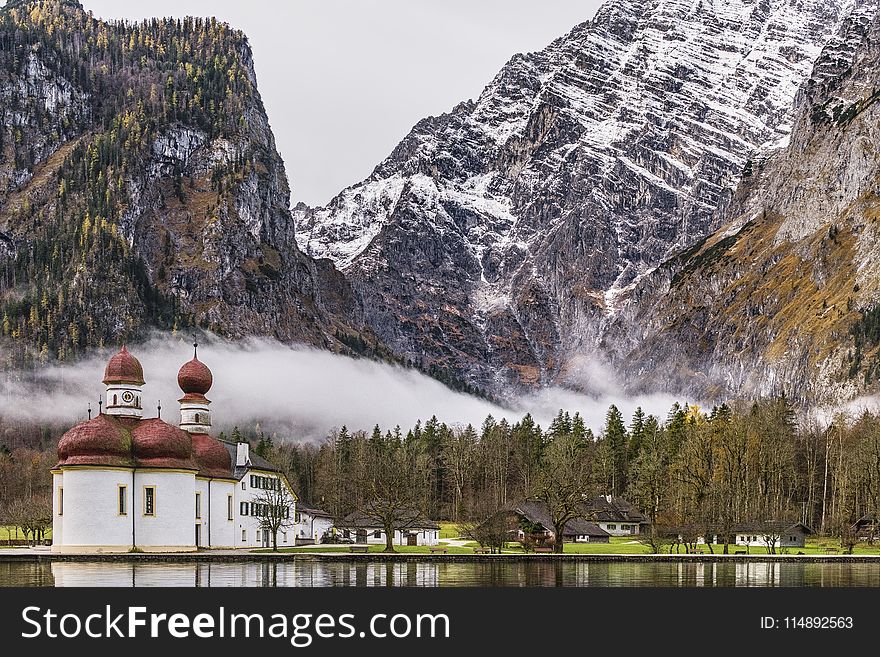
344	80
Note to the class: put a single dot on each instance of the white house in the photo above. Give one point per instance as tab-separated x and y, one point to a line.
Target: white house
531	518
312	525
616	516
128	483
255	475
771	534
410	528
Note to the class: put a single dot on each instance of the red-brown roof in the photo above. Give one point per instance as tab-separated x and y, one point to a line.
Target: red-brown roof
103	440
124	368
195	377
127	442
158	444
211	456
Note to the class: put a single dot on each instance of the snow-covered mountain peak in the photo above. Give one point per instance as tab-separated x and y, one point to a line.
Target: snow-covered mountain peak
578	169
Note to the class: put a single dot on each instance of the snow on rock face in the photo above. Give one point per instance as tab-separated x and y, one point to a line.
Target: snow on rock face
767	305
493	237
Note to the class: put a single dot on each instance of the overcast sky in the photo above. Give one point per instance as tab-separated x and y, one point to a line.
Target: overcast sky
344	80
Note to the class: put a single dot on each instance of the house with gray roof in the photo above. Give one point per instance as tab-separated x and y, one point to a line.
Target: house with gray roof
411	527
616	516
533	518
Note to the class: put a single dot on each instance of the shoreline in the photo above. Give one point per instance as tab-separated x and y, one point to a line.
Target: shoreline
231	557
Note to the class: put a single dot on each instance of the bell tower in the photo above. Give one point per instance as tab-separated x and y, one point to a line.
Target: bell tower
124	378
195	380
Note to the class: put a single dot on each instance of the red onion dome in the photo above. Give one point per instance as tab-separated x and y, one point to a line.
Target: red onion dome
103	440
195	377
157	444
211	456
124	368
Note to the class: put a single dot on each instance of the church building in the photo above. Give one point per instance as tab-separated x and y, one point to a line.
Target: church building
126	483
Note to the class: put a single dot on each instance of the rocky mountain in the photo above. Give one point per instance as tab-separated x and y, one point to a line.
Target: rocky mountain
683	190
785	297
140	187
500	240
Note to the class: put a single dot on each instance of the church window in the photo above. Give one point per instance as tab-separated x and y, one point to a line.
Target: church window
229	507
149	500
244	508
114	400
122	500
244	535
60	501
198	418
198	505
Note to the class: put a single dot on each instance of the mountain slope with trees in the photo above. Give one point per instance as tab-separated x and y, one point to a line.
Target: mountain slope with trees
140	187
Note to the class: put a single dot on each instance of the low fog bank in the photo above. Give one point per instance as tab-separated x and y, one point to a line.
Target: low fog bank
294	391
824	416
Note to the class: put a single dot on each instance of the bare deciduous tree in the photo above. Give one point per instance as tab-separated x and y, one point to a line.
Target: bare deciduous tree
564	482
388	483
275	510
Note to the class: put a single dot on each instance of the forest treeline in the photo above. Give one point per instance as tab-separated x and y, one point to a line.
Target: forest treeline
732	464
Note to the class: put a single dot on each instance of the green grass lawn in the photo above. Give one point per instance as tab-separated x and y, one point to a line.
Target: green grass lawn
402	549
617	545
7	532
448	530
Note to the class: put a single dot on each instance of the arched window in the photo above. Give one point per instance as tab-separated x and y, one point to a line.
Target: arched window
198	418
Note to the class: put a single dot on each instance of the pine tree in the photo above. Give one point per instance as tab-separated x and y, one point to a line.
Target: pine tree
236	435
561	425
616	440
636	434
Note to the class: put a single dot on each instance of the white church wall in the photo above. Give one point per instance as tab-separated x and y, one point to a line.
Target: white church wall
91	520
222	528
203	510
57	518
173	525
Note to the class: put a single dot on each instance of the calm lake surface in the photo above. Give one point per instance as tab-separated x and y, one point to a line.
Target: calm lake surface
305	572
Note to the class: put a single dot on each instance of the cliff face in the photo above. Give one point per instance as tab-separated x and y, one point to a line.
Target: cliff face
686	190
784	297
140	186
496	240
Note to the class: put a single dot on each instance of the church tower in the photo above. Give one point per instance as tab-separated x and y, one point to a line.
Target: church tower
195	379
124	378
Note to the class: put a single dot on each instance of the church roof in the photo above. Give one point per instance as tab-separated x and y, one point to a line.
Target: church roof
158	444
103	440
211	456
107	440
194	377
124	368
132	442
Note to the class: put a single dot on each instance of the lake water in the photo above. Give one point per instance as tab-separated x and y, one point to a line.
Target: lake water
304	572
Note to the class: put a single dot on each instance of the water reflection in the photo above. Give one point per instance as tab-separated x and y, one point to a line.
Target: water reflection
310	572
